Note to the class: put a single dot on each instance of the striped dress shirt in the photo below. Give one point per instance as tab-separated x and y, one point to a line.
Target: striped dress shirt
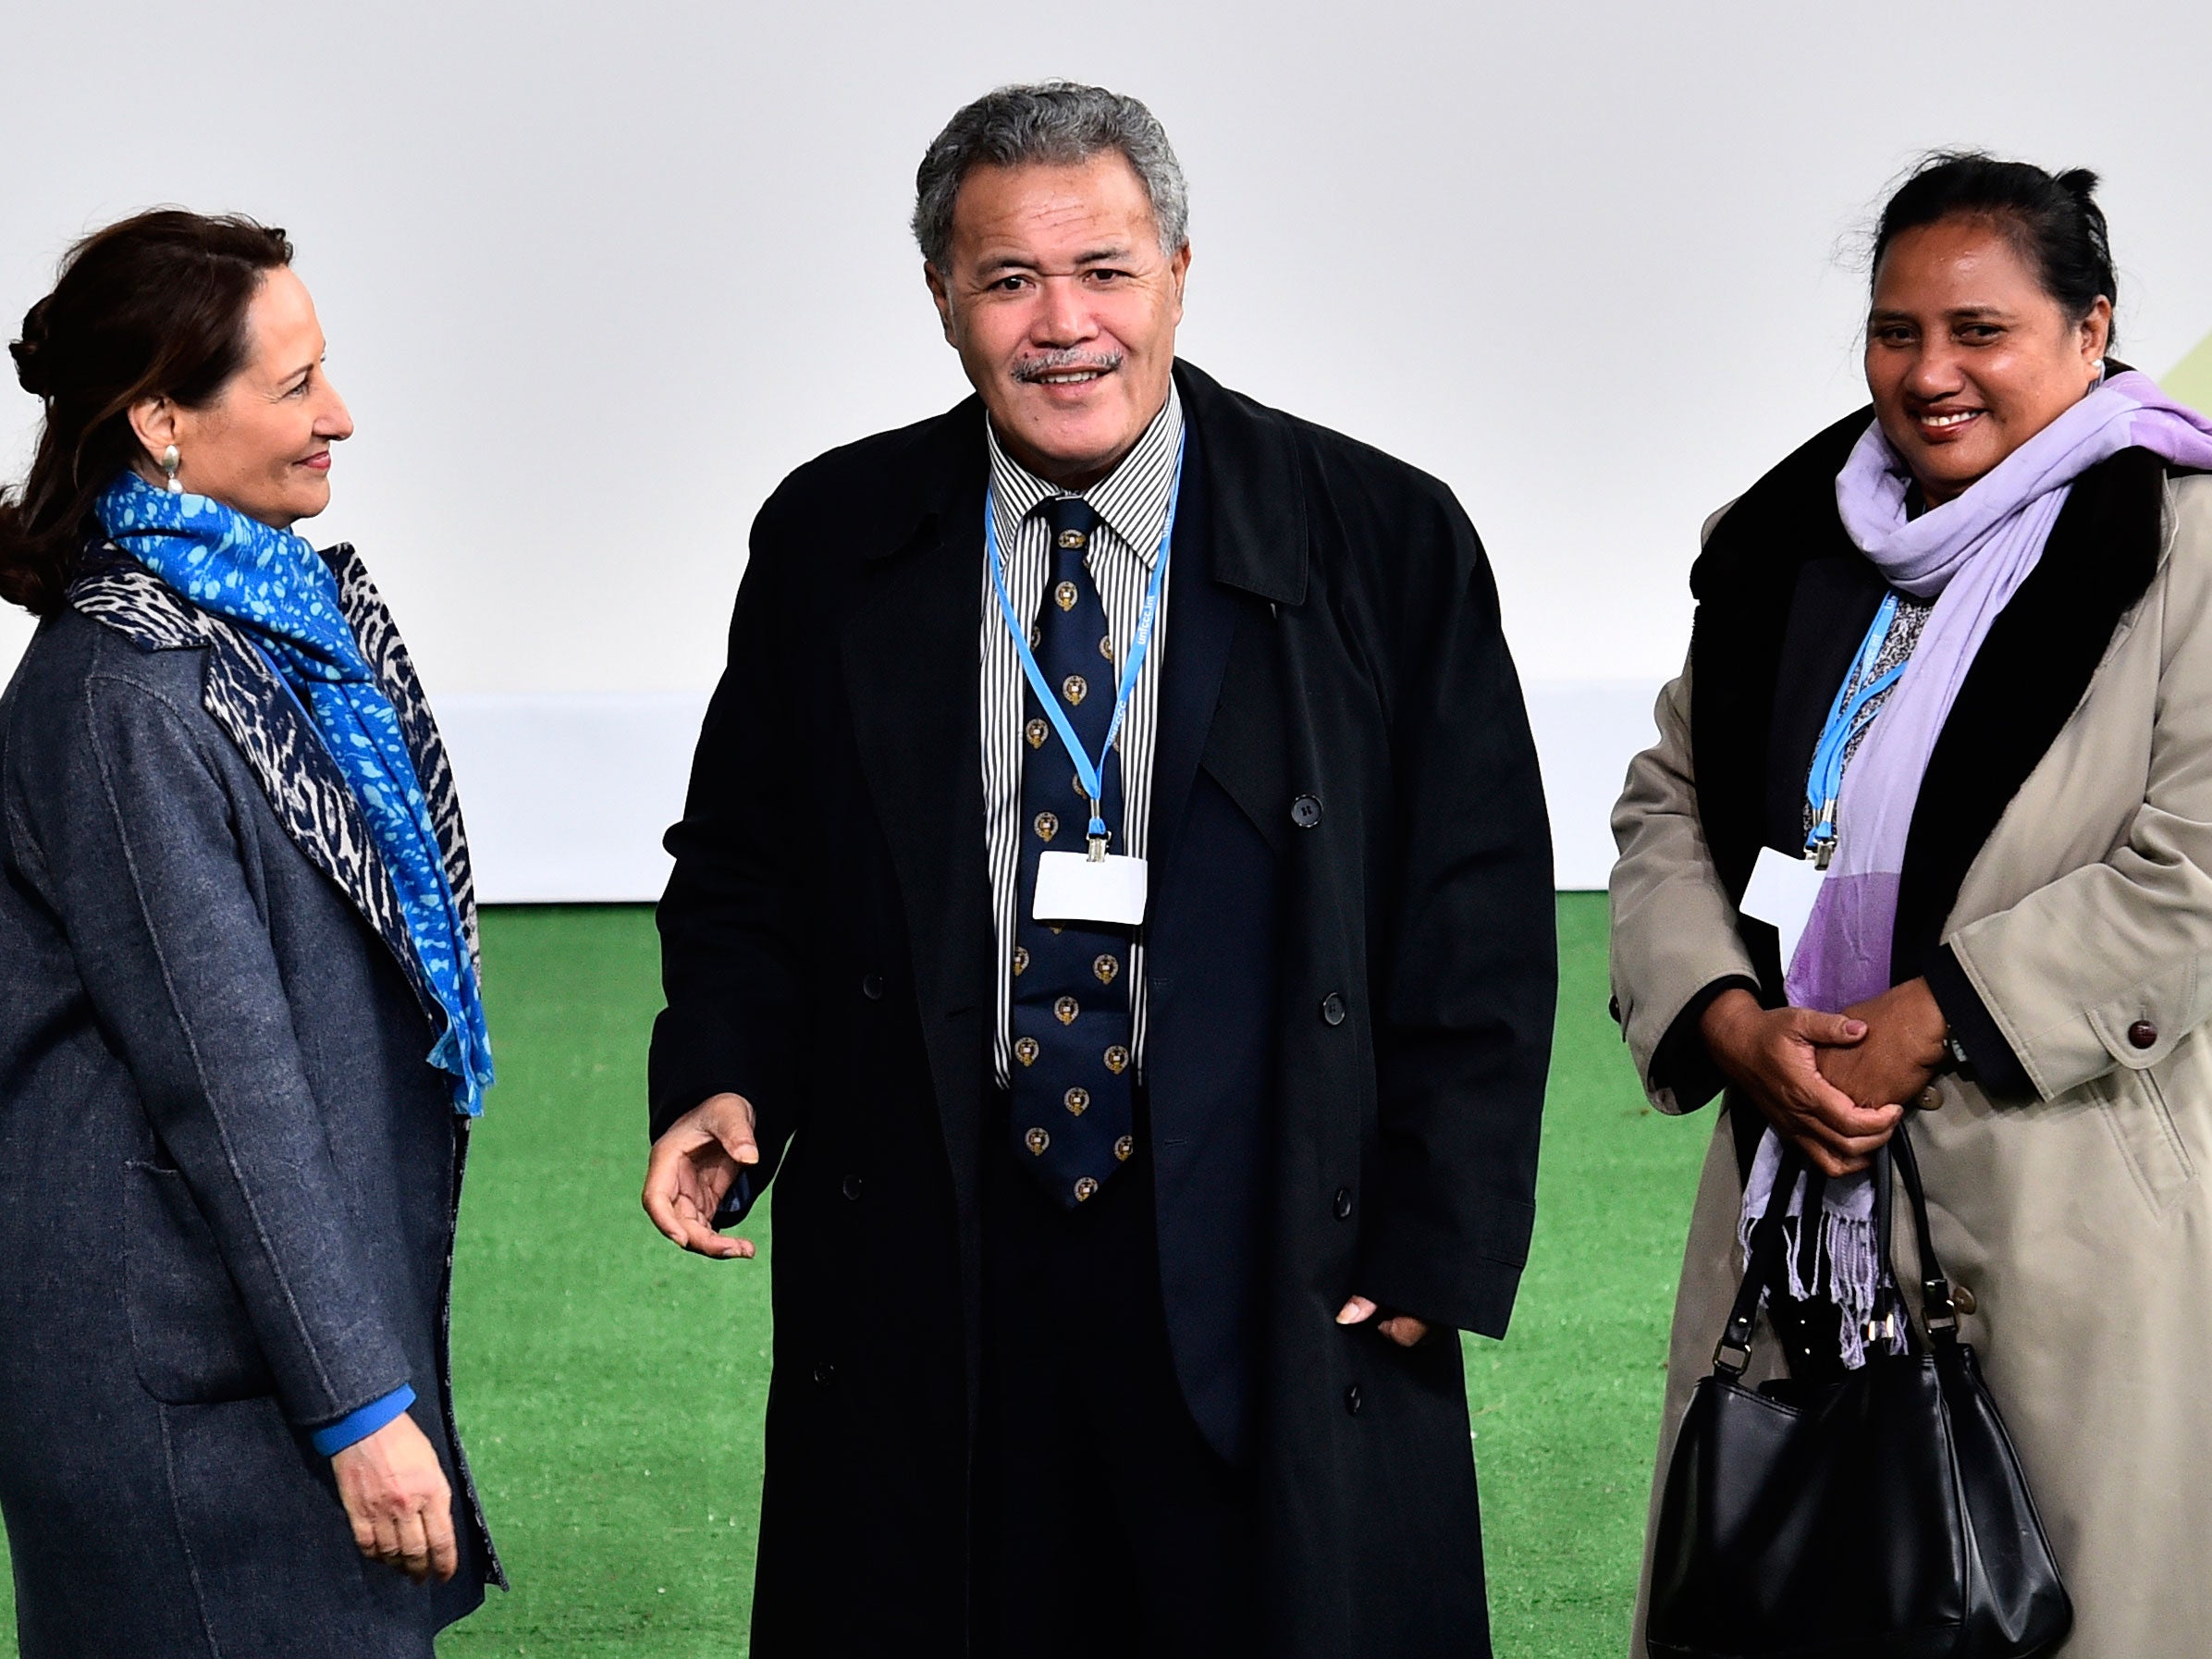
1132	504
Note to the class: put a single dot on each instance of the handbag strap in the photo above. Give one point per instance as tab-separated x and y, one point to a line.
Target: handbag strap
1936	1307
1732	1354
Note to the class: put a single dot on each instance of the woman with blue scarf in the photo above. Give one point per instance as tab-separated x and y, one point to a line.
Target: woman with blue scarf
240	1035
1928	834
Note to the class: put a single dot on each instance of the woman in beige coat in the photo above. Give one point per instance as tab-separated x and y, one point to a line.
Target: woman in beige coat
1956	650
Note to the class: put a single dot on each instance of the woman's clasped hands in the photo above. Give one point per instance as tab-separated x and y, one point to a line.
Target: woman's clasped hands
1832	1085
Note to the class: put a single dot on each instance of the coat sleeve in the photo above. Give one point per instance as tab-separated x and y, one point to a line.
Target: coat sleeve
1674	943
2071	970
1468	990
729	929
145	873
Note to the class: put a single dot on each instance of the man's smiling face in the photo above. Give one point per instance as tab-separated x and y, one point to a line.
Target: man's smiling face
1064	307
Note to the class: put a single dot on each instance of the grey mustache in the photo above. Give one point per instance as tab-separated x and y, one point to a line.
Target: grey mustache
1059	363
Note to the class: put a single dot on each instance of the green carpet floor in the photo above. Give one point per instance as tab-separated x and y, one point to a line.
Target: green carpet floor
611	1389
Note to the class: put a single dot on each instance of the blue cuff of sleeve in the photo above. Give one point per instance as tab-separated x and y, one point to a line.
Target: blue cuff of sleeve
359	1425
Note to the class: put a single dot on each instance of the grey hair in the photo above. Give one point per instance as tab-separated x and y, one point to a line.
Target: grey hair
1055	123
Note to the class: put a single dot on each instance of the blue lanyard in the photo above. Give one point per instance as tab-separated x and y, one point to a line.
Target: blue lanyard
1087	772
1851	714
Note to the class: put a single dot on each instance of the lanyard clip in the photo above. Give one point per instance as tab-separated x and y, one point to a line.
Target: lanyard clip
1820	844
1098	837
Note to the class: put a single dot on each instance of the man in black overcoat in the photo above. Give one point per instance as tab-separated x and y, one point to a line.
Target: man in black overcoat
1114	904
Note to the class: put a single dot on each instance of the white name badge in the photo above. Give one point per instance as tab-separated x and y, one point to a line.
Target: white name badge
1783	891
1074	886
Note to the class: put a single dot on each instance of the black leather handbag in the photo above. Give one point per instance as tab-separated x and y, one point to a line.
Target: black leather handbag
1884	1513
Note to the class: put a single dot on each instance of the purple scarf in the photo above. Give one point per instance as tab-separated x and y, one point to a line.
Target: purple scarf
1970	556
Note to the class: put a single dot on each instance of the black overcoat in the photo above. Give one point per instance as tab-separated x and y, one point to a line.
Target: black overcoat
828	951
228	1176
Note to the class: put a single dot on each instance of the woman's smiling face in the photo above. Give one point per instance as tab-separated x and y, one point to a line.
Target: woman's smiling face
262	444
1967	356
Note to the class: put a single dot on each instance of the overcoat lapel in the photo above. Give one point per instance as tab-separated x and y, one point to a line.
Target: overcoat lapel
1746	583
244	695
912	680
1241	528
378	638
2031	672
1255	496
1835	603
1202	622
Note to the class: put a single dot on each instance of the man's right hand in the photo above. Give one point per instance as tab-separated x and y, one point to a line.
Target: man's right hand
692	1168
1774	1055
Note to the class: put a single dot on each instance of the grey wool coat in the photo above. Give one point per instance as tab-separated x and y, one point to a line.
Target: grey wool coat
228	1176
2061	854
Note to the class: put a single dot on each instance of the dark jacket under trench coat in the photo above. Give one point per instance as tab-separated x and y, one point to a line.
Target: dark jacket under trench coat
228	1176
829	952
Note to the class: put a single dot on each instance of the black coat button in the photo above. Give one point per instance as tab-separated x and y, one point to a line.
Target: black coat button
1343	1204
852	1187
872	988
2143	1033
1305	811
1351	1399
1333	1009
824	1373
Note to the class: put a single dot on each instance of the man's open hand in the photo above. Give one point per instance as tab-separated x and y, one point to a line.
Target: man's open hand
692	1170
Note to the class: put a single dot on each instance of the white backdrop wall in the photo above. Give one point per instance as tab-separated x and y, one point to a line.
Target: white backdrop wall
595	278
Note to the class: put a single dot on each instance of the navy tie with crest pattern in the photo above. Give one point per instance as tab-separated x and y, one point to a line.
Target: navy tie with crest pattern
1073	1121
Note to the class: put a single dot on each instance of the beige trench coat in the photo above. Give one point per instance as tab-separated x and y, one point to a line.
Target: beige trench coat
2081	1223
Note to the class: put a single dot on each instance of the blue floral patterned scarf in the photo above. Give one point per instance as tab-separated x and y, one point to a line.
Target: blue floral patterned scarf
276	586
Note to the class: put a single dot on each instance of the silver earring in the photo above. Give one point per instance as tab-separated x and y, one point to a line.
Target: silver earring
170	461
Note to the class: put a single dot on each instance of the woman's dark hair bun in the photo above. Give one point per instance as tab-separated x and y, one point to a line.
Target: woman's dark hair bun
28	350
152	307
2053	219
